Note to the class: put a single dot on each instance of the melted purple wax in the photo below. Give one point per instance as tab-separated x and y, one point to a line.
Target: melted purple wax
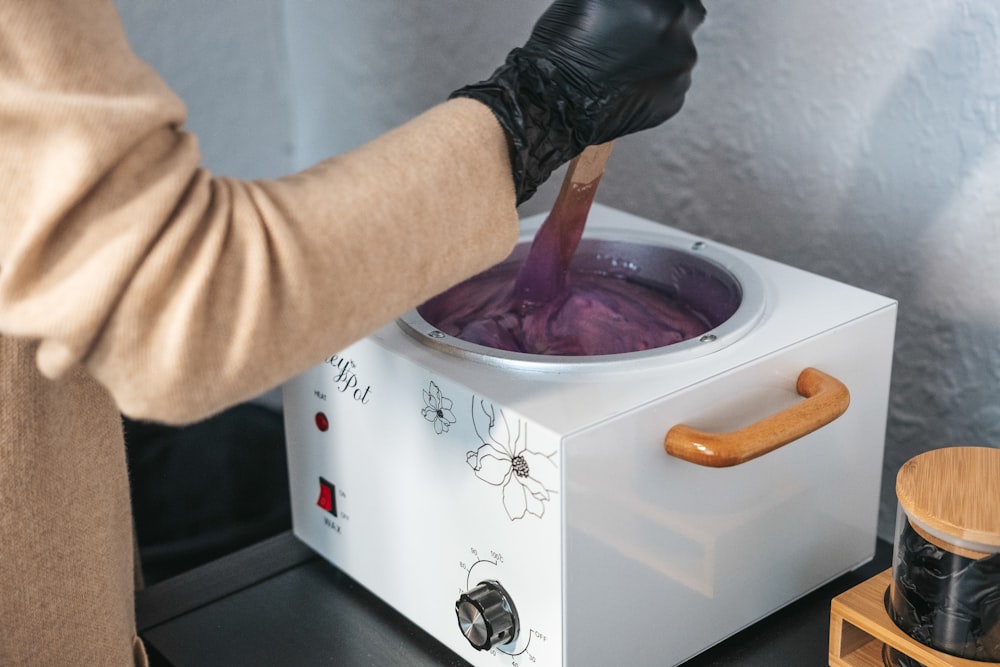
545	307
591	314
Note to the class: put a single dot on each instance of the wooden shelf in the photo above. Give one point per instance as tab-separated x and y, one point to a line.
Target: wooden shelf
860	625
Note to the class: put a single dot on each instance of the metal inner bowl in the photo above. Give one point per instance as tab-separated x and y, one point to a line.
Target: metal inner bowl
708	280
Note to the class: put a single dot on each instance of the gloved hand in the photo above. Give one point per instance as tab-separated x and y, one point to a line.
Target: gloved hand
591	71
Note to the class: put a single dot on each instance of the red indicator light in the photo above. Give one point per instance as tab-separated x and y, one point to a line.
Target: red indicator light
322	423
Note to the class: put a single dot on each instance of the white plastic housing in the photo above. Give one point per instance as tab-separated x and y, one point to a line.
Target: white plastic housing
612	551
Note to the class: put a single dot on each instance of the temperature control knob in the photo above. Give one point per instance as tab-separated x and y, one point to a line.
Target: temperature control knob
486	616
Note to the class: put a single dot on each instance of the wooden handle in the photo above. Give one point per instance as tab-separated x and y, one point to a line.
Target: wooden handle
826	399
572	206
589	165
543	274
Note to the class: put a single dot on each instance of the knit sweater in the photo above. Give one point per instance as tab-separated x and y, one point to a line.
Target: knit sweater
133	280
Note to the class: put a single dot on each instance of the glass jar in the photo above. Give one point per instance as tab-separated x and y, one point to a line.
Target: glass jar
945	589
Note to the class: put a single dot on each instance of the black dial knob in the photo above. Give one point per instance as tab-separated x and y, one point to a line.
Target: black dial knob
486	616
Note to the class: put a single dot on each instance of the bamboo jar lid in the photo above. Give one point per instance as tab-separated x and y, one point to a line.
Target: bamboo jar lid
954	495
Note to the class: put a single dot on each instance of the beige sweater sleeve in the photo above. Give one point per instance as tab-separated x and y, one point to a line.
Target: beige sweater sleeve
183	293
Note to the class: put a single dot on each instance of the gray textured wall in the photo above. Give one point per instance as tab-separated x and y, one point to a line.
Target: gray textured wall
856	139
228	61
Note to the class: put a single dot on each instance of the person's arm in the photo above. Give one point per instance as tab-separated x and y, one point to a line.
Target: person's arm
183	293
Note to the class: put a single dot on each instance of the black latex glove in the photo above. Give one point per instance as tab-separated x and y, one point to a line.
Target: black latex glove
592	71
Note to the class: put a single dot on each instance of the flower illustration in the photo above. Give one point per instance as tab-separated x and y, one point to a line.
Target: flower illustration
528	478
437	409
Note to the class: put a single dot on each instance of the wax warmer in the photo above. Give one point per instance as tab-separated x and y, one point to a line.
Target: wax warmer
634	507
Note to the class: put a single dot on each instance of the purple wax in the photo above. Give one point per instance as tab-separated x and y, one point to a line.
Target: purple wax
591	313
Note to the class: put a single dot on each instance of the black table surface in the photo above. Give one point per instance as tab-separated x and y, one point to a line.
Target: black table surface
278	603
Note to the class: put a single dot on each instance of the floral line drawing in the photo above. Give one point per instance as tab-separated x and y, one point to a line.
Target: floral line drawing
527	478
437	409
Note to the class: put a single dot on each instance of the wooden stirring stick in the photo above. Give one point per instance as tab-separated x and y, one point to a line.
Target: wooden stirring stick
543	274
